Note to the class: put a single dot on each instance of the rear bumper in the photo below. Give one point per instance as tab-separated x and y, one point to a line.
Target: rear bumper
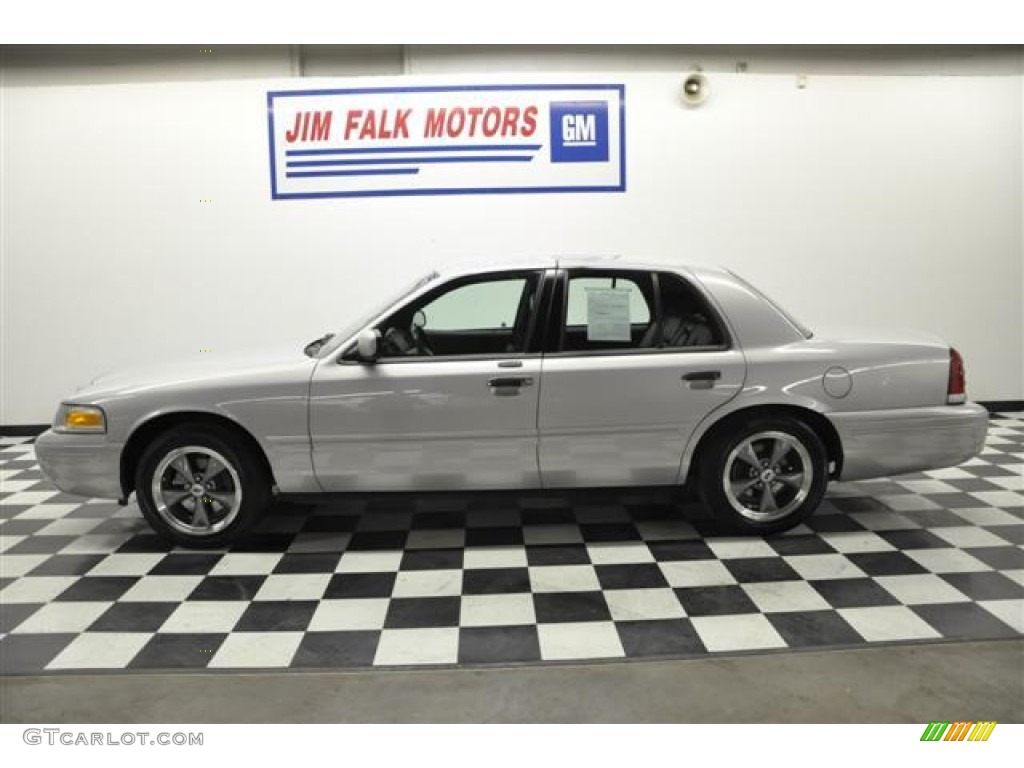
879	443
85	465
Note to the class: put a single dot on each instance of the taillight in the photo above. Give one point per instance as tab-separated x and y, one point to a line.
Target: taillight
956	392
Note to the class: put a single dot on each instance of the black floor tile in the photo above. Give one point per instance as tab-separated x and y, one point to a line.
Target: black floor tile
98	588
605	532
186	564
277	616
370	541
66	565
987	585
809	628
557	554
144	543
23	527
416	612
438	520
853	593
914	539
553	516
228	588
431	559
753	569
715	601
178	651
308	562
329	524
799	544
1007	558
570	606
661	637
39	545
1013	534
885	563
494	581
336	649
133	617
857	504
263	542
483	645
963	620
351	585
12	614
833	524
494	537
21	654
669	551
633	576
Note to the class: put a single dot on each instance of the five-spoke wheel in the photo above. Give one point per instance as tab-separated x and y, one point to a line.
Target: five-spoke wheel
201	485
764	476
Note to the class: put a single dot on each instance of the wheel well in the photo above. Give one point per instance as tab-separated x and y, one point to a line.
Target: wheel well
820	424
150	430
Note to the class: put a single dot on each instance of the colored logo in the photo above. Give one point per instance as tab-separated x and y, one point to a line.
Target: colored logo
958	731
579	131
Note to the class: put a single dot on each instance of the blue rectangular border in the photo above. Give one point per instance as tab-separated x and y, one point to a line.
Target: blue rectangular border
621	187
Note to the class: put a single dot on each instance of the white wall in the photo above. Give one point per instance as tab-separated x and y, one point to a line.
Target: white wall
881	200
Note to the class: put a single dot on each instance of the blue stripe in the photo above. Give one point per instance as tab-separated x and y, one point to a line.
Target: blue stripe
366	172
431	148
405	160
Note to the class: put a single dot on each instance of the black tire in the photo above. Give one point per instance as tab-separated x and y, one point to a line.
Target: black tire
725	460
244	472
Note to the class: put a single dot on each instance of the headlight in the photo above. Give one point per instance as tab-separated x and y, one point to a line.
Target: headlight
80	418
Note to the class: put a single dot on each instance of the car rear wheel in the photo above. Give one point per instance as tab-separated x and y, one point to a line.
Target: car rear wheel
200	486
764	476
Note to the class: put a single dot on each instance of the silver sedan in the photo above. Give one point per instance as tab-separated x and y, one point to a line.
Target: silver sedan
562	374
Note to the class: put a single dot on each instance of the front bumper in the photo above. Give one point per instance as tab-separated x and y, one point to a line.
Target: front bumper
85	465
879	443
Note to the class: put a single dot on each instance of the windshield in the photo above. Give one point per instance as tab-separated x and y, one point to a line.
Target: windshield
803	329
338	338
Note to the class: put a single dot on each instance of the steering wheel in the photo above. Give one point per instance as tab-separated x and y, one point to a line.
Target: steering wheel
420	338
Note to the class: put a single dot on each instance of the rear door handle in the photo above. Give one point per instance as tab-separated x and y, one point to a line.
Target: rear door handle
702	376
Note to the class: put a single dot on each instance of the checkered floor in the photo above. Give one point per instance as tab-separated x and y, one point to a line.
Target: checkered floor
509	578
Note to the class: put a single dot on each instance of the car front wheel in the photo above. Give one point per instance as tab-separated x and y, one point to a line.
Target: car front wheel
764	476
200	486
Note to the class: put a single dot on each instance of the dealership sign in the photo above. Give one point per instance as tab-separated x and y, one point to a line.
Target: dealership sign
442	140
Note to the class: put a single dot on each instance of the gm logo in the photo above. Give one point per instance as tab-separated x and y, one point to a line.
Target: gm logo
579	131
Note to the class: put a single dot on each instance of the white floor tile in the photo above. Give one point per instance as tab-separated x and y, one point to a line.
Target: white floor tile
946	560
968	536
619	553
857	541
893	622
696	573
643	604
257	649
921	589
293	586
344	615
494	557
127	564
439	583
205	616
813	567
370	562
986	516
908	503
161	589
743	632
579	640
70	616
100	650
497	610
418	646
999	498
95	544
12	566
741	546
35	589
563	578
246	564
784	596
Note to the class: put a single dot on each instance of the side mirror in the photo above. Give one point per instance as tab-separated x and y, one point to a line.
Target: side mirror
367	345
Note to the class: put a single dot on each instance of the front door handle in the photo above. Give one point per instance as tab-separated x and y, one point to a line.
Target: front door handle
702	376
510	381
702	379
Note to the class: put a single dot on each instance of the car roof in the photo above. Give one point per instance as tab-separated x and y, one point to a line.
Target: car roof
578	262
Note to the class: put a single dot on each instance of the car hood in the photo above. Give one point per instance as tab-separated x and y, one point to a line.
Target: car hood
196	369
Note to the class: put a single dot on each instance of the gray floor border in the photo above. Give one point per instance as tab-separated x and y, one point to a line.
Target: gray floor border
915	683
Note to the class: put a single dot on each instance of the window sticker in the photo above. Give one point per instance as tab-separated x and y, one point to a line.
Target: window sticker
608	314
